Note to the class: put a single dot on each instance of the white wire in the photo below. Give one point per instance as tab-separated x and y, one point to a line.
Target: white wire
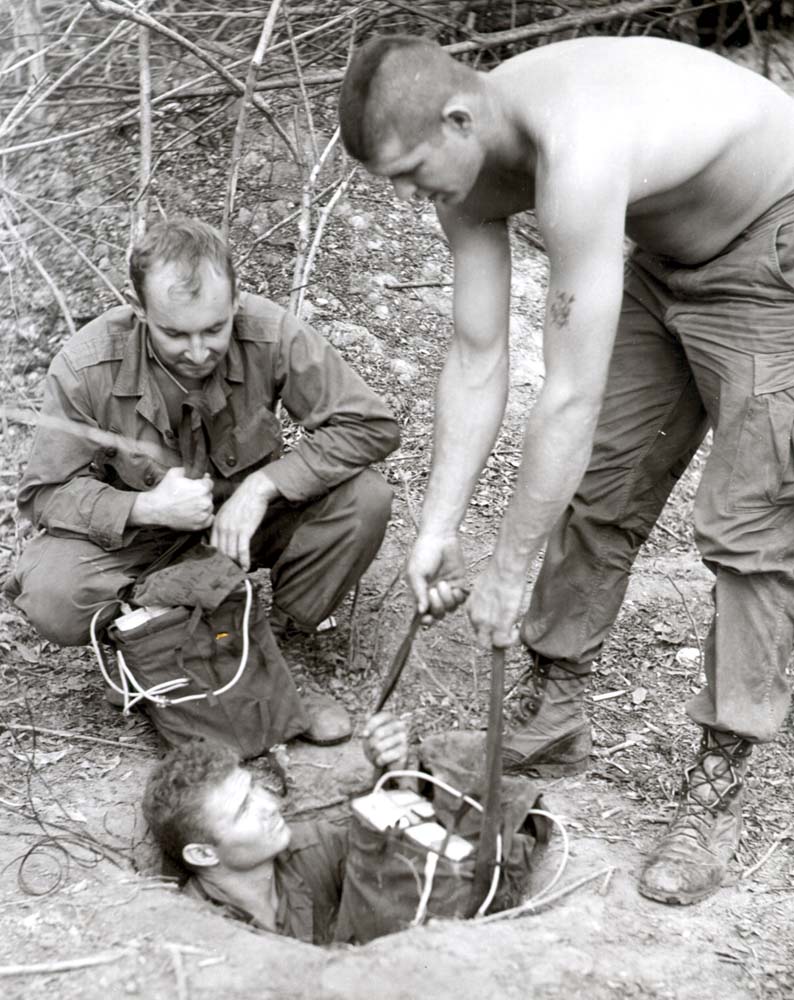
427	777
497	870
157	692
537	899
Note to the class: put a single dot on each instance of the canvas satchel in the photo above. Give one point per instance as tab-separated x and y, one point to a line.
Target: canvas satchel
437	852
399	877
207	666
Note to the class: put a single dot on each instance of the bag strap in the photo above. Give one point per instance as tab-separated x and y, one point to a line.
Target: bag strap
159	692
492	811
194	451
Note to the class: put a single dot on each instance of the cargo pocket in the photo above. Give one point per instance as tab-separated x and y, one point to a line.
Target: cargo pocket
763	472
783	254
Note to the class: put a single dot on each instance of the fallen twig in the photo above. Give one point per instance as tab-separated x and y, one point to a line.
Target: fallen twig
67	734
395	286
787	834
176	951
66	965
692	622
607	695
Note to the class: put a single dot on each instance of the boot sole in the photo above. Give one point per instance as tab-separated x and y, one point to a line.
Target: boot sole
671	900
567	755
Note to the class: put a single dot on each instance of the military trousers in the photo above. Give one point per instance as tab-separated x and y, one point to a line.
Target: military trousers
709	346
316	552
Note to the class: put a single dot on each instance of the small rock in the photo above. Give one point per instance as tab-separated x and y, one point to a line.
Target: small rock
344	334
406	371
252	162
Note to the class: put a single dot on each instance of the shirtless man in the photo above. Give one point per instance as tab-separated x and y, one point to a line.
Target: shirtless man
692	157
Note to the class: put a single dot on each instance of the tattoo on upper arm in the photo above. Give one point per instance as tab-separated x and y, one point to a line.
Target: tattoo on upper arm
560	309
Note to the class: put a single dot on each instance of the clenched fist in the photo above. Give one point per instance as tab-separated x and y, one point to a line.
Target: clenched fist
176	502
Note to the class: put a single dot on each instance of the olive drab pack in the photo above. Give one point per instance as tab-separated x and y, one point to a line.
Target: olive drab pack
194	650
412	854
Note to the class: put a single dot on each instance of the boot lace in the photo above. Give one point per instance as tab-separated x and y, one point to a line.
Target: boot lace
531	685
707	791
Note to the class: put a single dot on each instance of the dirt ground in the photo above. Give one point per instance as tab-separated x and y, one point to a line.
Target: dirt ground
78	875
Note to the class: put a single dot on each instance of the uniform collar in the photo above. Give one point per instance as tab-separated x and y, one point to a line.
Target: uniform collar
134	377
295	911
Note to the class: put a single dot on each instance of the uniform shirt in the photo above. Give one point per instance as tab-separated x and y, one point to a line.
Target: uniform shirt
104	432
308	875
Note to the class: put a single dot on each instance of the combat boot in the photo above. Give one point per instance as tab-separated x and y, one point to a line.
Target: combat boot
690	861
555	738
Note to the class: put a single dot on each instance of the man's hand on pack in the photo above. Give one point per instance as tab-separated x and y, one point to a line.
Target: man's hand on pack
493	607
386	741
436	573
238	519
176	502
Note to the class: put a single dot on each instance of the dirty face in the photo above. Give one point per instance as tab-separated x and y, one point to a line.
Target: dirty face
189	319
244	821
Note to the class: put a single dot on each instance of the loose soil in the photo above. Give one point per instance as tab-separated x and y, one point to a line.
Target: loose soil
78	873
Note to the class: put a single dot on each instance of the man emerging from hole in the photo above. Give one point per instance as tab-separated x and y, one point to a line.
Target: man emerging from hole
224	830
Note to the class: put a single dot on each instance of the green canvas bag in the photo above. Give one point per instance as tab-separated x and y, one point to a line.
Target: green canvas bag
206	666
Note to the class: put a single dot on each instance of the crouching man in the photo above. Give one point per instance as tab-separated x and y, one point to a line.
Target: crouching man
159	419
216	822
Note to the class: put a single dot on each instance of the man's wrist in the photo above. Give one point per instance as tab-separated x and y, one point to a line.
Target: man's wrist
262	485
141	514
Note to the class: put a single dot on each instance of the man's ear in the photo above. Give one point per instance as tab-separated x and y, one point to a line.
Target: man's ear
200	855
457	114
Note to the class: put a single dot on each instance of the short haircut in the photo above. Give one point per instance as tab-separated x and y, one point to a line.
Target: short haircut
176	790
187	243
396	83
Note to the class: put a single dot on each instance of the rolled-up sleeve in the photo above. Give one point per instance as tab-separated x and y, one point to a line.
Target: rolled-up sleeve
60	491
348	426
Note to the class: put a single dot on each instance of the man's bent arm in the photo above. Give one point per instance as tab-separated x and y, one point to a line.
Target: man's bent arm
472	389
583	229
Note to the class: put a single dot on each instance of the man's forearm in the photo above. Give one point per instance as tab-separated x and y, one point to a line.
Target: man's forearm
470	403
556	453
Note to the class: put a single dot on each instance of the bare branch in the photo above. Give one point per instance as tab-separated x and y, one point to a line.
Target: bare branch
550	27
109	7
318	233
245	104
14	121
16	196
145	76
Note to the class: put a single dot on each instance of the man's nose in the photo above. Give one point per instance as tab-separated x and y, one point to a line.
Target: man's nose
404	189
197	350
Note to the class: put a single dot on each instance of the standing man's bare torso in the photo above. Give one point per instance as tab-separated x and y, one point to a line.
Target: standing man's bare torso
696	146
